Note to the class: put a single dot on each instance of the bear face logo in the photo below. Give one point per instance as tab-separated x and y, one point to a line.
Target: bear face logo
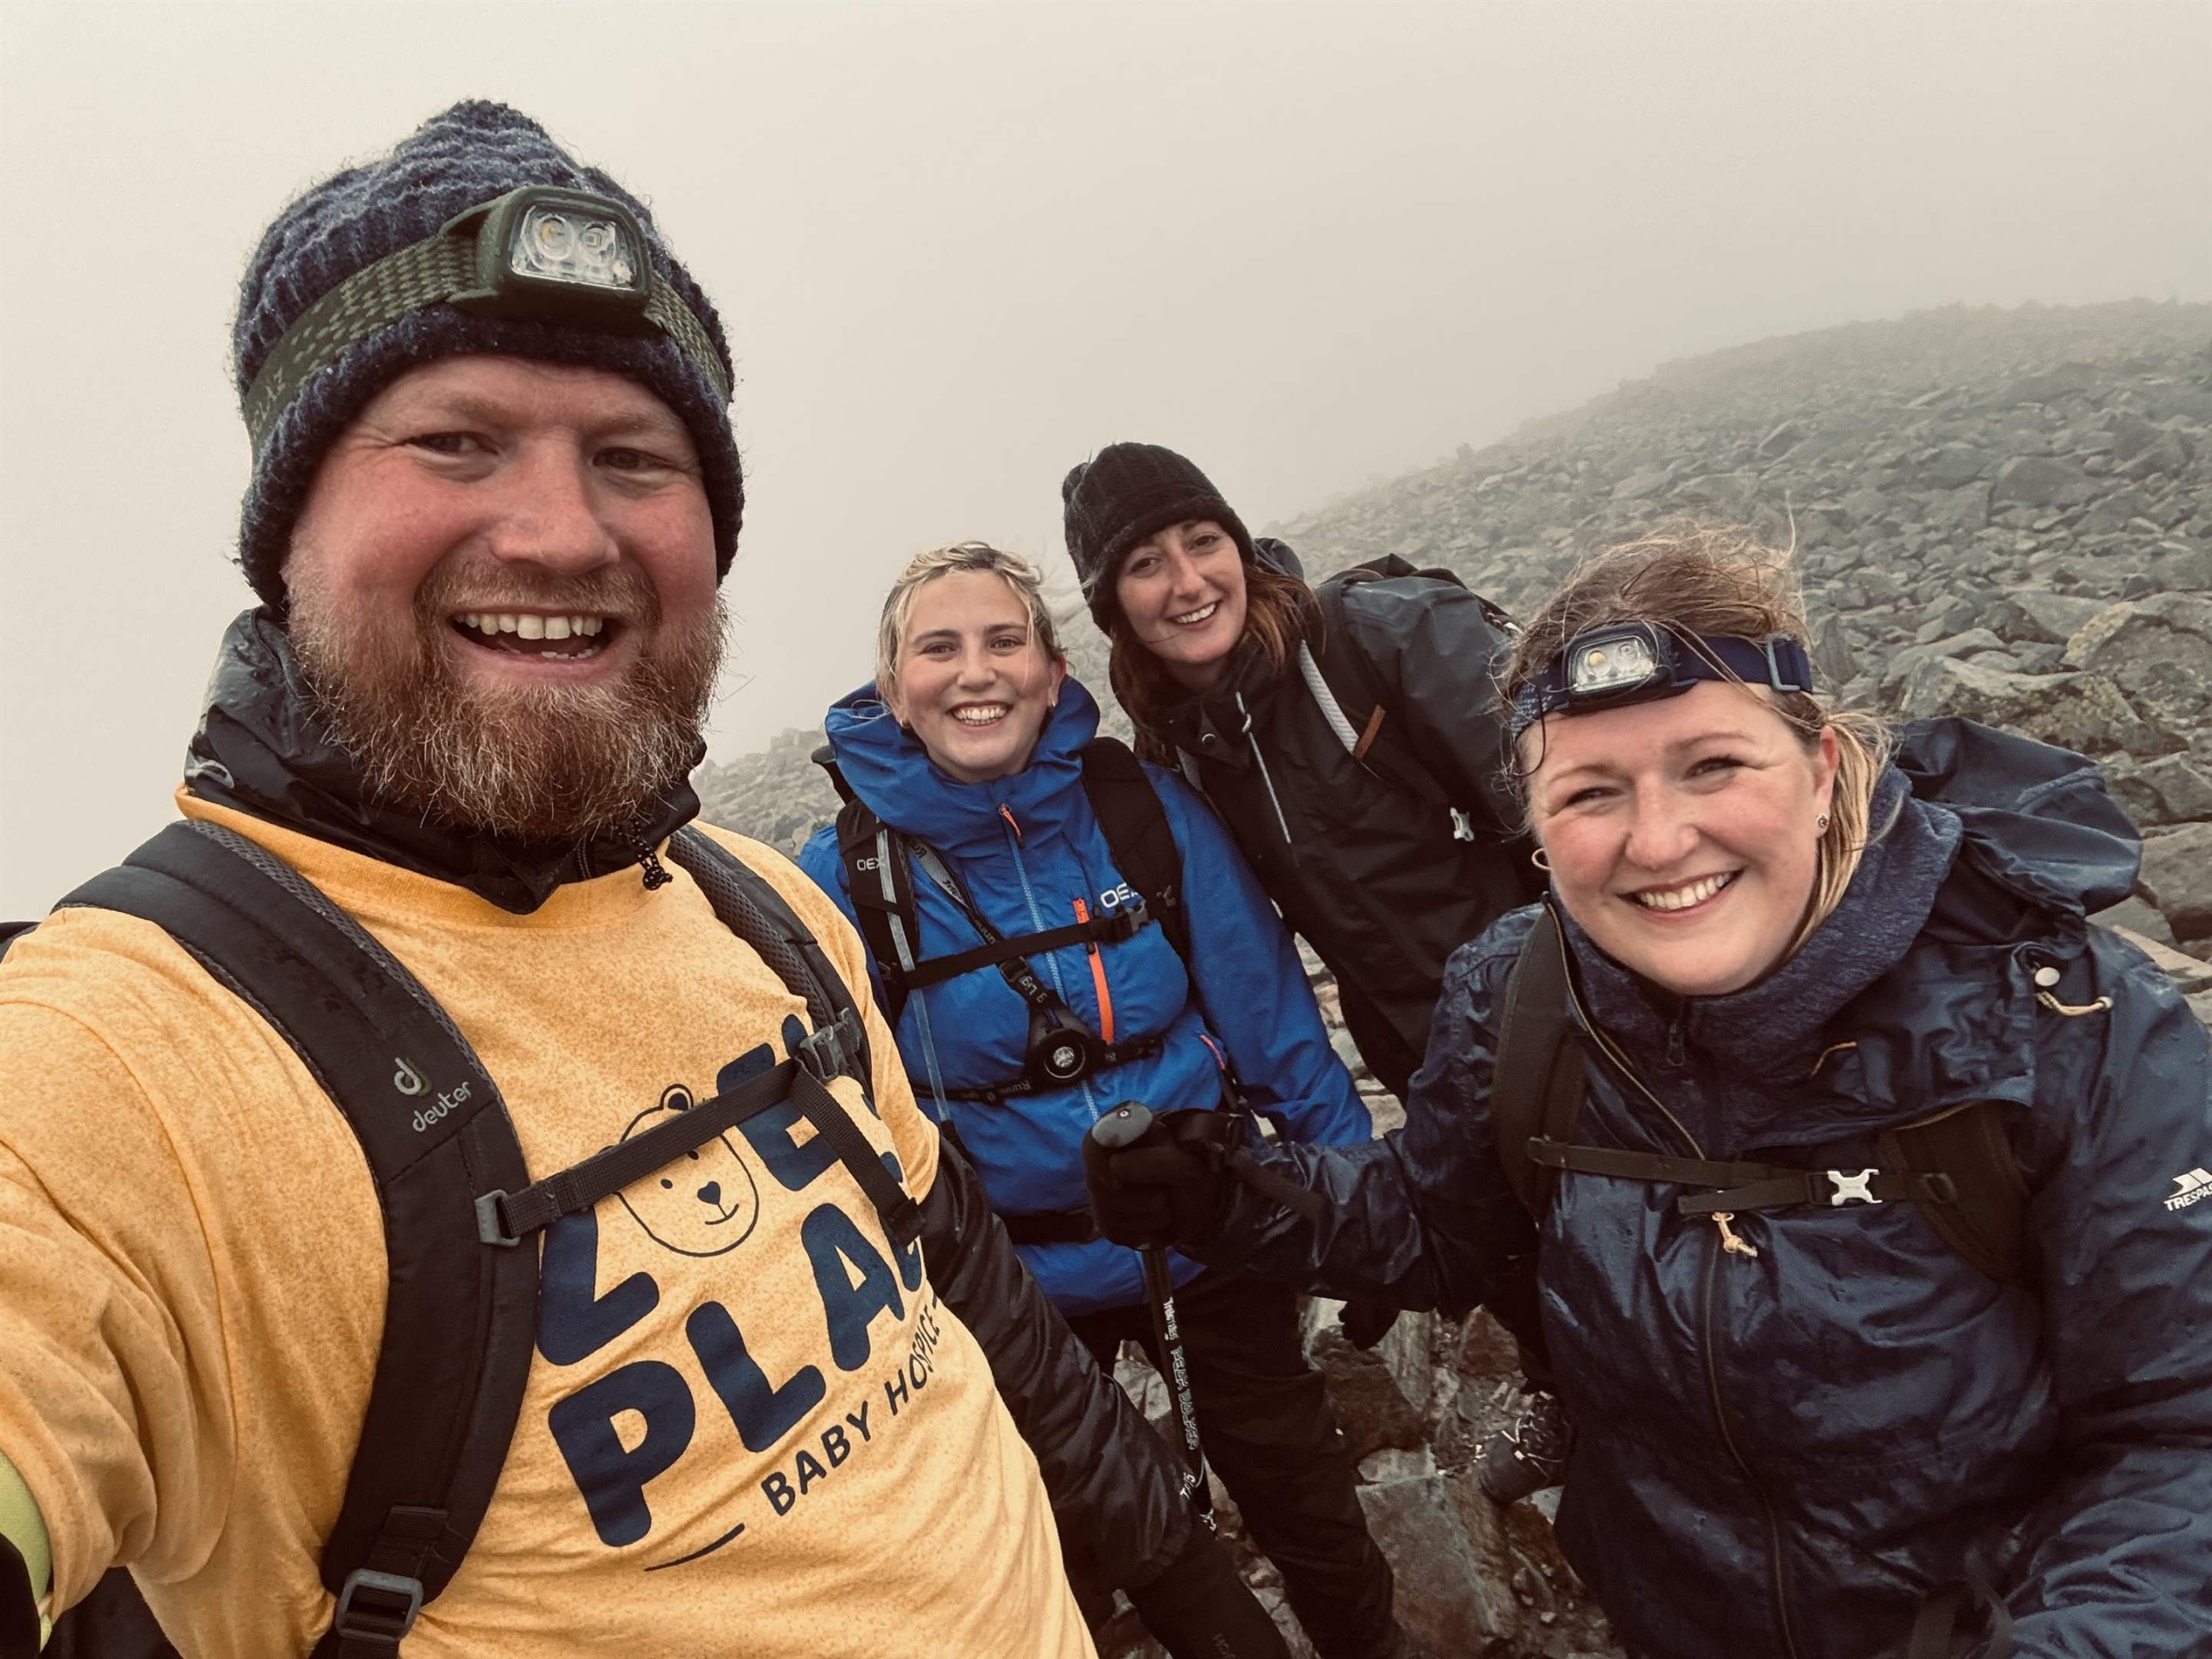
703	1204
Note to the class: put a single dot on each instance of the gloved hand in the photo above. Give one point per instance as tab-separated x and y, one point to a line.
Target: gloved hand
1158	1181
1364	1323
1199	1609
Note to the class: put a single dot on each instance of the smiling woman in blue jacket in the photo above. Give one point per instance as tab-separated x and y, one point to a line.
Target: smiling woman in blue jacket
967	751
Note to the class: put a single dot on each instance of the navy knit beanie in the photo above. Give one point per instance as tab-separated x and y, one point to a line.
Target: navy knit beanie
466	157
1126	494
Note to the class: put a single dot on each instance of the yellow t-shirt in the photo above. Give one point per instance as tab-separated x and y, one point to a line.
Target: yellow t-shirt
751	1427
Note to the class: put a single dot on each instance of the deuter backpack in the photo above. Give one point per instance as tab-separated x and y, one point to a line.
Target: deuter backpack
460	1317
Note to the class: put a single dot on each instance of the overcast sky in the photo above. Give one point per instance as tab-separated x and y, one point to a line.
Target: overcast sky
959	246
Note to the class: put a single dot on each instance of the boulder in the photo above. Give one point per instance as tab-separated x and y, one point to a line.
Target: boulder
1372	1407
1449	1599
2085	712
2158	650
2135	916
2038	616
2177	877
2173	789
2040	481
1905	664
1953	465
1832	657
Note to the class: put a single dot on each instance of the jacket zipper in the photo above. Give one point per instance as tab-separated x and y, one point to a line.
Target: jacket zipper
1274	800
1098	978
1772	1522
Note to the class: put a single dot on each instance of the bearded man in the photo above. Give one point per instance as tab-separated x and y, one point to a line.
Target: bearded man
769	1378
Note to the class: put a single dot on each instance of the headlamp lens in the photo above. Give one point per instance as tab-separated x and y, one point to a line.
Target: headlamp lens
1605	666
563	244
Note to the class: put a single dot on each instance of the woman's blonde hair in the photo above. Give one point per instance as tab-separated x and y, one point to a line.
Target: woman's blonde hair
1280	610
1713	579
1027	581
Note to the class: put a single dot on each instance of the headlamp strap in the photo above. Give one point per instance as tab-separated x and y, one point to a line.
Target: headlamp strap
435	271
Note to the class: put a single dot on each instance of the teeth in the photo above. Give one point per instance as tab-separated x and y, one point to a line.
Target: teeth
508	624
1683	898
529	627
556	627
487	623
983	716
532	627
1199	615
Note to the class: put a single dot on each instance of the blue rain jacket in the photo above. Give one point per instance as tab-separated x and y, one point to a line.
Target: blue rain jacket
1026	849
1784	1454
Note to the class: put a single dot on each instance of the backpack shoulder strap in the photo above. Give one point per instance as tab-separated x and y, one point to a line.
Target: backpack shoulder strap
1349	695
1981	1206
1537	1088
10	931
748	905
1138	834
880	882
460	1318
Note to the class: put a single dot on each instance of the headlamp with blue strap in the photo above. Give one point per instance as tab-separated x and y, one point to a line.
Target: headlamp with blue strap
1641	662
540	252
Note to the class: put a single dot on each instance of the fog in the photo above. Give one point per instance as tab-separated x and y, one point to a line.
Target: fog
958	247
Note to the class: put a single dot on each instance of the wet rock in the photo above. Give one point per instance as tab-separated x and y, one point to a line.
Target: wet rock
2084	712
2036	615
2039	481
1373	1408
1903	664
2177	877
2137	916
2173	789
2158	650
2189	973
1448	1600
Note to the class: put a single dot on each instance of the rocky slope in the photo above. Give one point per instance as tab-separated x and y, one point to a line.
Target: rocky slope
2001	514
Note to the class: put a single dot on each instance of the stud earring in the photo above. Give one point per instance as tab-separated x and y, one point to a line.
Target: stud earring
1820	824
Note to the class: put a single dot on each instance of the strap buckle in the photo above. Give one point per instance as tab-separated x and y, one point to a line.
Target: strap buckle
491	1225
377	1606
827	1051
1849	1189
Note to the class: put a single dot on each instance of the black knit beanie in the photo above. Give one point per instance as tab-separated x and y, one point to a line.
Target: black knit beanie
1126	494
467	156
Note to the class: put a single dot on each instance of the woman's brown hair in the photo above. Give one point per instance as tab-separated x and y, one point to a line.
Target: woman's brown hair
1715	579
1279	610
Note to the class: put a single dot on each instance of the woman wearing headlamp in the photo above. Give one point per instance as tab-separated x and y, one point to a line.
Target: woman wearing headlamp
1041	958
1863	1232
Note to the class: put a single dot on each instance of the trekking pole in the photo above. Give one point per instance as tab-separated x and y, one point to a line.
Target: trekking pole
1118	1131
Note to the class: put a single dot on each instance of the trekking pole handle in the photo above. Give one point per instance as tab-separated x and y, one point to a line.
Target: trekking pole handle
1123	1127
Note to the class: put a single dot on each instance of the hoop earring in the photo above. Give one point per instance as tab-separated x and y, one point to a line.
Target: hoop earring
1540	862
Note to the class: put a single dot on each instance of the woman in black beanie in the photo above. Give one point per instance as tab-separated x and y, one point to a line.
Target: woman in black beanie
1352	740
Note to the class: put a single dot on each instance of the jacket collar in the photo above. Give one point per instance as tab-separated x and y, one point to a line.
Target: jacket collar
263	748
886	766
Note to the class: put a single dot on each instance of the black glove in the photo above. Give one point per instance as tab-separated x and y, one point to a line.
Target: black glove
1364	1323
1199	1609
1158	1181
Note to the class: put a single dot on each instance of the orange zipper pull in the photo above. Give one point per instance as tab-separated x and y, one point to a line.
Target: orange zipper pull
1098	978
1728	1239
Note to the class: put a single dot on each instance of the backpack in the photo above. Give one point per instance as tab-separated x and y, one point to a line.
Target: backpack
879	874
1958	1166
461	1319
1350	693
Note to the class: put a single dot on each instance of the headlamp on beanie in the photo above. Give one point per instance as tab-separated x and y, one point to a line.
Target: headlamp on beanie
537	253
1638	662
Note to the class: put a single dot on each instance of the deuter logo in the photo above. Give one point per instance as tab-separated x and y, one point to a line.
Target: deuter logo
407	1079
444	1103
2189	1189
1115	898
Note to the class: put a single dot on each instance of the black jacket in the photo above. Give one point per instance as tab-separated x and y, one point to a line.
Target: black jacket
1786	1454
1372	875
1115	1485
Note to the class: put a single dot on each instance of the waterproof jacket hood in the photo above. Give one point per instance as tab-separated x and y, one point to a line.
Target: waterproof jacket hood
1028	852
1786	1447
262	747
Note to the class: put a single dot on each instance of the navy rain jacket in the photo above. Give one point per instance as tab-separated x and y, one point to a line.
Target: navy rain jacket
1026	849
1784	1454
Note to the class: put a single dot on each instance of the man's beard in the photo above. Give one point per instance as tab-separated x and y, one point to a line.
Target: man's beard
539	763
